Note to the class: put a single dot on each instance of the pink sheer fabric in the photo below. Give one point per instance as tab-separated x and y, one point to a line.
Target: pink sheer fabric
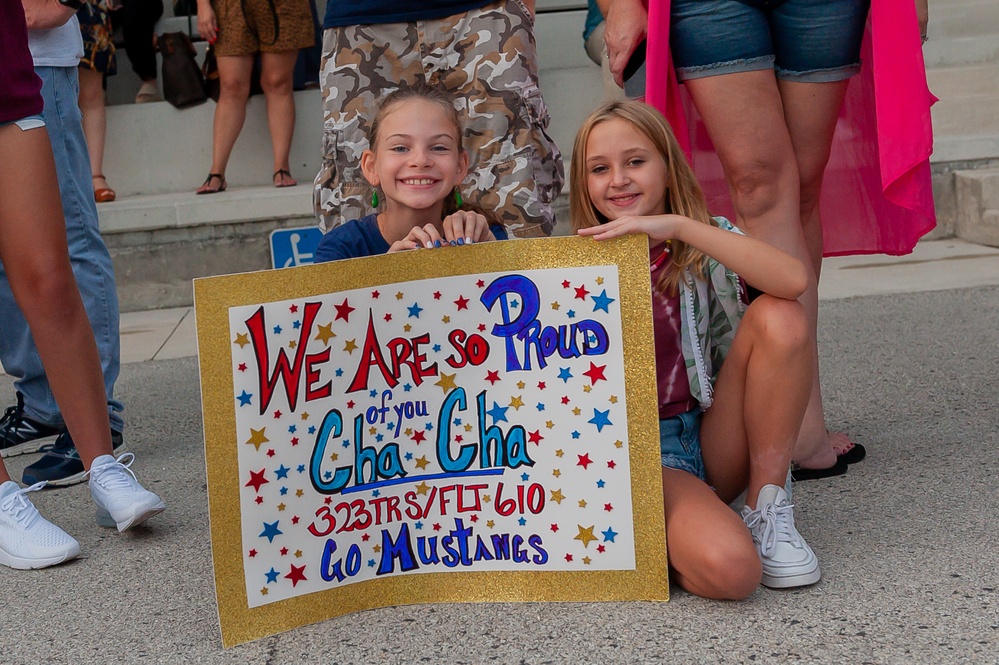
877	196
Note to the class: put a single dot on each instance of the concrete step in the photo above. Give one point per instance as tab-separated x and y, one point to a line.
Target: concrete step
978	206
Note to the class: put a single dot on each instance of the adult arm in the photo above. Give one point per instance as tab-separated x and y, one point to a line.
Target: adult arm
208	26
762	266
46	14
627	26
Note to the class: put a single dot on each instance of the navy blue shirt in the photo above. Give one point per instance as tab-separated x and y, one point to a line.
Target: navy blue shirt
361	237
364	12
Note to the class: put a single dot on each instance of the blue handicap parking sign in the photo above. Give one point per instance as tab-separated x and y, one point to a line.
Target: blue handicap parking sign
294	247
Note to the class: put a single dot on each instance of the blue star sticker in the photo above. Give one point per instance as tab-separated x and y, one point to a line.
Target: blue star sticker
300	468
541	407
245	398
296	325
429	427
601	301
437	348
271	575
292	429
376	493
524	477
407	388
457	422
418	525
284	491
514	303
371	563
600	484
498	413
328	475
346	444
575	435
571	313
312	430
339	372
564	374
600	419
277	330
521	521
409	456
282	471
373	393
608	535
271	530
414	311
379	437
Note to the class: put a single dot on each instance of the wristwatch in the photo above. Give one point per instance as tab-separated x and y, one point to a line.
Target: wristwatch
72	4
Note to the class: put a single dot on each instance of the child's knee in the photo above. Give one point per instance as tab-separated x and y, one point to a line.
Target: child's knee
730	570
779	322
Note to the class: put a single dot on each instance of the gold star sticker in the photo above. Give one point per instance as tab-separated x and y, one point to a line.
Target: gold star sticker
292	344
586	560
407	327
557	496
263	592
600	280
520	385
582	503
446	319
468	428
373	430
575	411
490	523
585	535
422	488
299	492
555	306
325	333
447	382
257	437
298	554
516	402
305	415
421	462
281	507
549	424
486	498
587	389
559	453
334	457
556	473
409	431
242	339
618	443
350	346
377	548
613	399
398	296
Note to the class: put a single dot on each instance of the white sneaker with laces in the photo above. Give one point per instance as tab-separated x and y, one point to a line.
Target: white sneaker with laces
787	559
28	540
121	501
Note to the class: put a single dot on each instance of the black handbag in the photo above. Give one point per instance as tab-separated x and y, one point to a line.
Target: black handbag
183	82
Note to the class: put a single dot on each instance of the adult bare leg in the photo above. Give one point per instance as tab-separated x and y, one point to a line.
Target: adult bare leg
744	116
276	81
230	112
94	121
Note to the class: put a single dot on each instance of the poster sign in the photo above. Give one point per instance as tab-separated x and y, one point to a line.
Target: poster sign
462	424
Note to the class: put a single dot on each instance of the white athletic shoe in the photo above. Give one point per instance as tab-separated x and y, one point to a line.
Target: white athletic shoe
121	501
28	540
787	559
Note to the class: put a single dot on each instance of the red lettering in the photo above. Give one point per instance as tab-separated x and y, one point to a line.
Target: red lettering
371	353
285	371
312	375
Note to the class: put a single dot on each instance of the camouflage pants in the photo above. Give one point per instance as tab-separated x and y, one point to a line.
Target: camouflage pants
486	58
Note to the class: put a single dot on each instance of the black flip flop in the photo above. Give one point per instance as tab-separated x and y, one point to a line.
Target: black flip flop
838	469
855	454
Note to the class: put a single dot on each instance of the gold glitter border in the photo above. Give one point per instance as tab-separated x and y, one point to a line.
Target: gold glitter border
213	296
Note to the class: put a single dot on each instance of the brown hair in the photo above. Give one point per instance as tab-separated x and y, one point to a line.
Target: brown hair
429	93
684	195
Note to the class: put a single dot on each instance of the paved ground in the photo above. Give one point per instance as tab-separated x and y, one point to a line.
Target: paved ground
906	539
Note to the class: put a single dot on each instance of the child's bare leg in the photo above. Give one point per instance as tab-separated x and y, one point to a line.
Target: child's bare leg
710	551
35	255
4	476
760	396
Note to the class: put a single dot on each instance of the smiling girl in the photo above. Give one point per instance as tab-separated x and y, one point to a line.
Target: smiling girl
417	161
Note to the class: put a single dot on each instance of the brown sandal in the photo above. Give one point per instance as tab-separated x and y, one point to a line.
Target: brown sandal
206	186
104	194
280	183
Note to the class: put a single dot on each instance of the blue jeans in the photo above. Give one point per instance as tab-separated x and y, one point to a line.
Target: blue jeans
88	254
680	443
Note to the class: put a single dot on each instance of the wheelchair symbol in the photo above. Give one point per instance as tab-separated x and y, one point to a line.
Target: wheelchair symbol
297	257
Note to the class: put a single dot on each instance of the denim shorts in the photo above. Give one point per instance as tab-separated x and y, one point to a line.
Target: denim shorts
30	122
680	443
812	41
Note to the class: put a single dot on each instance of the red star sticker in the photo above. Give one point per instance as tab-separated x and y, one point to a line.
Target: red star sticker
601	549
611	464
492	376
554	528
328	500
252	553
437	527
350	404
480	283
375	294
343	311
270	452
461	302
284	551
256	480
565	284
294	440
584	460
278	414
565	399
535	437
419	436
568	557
482	327
608	507
365	537
595	373
474	518
458	438
388	316
259	499
242	367
296	575
293	309
437	295
294	520
541	385
581	292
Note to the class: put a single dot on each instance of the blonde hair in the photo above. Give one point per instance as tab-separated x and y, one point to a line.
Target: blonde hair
684	195
428	93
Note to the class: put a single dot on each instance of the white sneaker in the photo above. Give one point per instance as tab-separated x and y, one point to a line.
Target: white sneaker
787	559
121	501
28	540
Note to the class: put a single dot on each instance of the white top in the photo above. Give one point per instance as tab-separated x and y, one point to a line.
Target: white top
58	47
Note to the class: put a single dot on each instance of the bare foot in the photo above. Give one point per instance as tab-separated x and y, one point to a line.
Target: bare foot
840	442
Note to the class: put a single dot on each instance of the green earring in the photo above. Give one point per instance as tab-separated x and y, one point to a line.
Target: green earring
457	197
374	199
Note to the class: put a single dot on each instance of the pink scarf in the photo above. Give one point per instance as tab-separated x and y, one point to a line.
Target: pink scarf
877	196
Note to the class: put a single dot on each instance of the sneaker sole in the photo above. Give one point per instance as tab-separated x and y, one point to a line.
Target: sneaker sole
105	520
792	581
20	563
27	447
77	478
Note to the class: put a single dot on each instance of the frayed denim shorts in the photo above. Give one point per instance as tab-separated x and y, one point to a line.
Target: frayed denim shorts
680	443
812	41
